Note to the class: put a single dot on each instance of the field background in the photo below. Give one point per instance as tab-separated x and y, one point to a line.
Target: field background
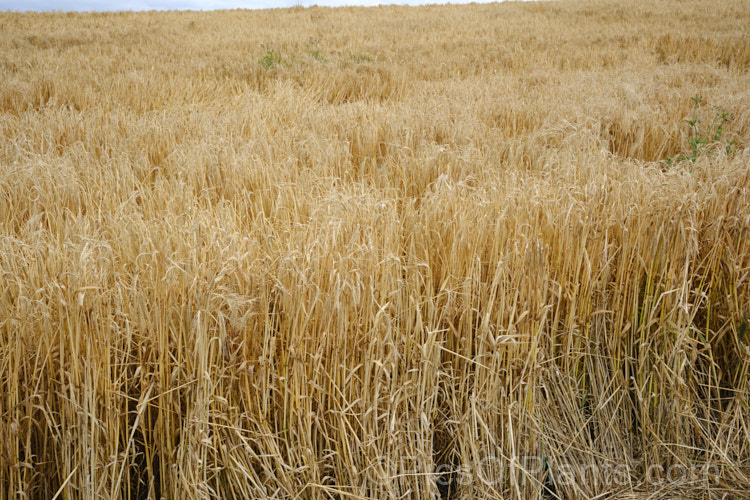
326	253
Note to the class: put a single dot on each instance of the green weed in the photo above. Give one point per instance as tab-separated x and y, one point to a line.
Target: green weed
271	59
358	57
704	141
313	49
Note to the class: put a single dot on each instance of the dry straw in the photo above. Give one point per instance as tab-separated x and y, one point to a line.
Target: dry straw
376	253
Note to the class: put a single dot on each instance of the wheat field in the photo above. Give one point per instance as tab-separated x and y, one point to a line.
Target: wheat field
479	251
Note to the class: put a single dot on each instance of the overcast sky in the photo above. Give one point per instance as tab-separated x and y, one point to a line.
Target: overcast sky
87	5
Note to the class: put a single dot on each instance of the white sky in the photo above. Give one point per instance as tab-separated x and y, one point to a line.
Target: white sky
100	5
